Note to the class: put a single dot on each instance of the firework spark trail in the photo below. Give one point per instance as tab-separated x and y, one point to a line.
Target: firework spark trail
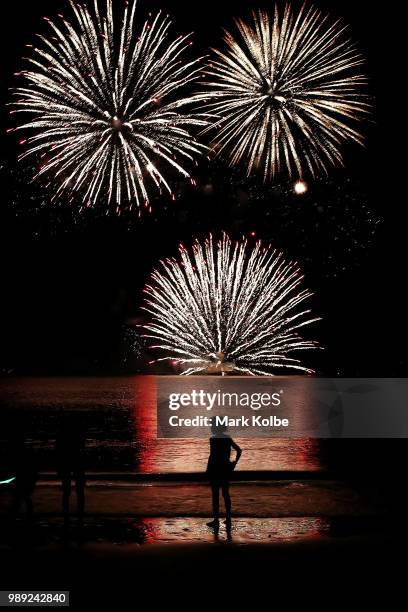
287	91
223	309
104	107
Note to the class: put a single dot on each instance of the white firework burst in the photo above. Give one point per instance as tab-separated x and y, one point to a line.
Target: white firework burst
288	91
107	109
224	309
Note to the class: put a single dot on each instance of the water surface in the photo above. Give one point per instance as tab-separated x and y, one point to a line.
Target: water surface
120	417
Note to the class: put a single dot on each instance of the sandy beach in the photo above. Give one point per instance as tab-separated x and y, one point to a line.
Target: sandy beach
152	535
285	498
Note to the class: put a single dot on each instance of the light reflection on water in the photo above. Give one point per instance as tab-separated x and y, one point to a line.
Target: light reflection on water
171	531
163	530
121	427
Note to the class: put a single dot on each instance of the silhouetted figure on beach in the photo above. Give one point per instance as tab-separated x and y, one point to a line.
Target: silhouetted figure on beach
24	462
219	470
70	451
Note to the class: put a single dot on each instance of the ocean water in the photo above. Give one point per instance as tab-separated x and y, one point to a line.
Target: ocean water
119	414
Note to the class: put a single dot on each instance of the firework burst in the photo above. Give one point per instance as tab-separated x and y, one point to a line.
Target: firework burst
224	309
106	108
287	91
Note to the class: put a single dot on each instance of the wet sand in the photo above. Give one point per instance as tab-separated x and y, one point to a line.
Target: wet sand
150	541
255	499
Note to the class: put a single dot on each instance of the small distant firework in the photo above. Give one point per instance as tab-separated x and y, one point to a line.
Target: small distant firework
106	108
131	344
225	308
300	187
287	91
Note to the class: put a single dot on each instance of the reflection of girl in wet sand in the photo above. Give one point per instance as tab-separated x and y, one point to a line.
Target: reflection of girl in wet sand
219	470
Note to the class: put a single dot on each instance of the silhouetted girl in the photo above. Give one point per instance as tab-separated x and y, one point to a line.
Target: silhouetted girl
219	470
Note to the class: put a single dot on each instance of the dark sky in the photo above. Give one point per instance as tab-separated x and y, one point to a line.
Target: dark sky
71	283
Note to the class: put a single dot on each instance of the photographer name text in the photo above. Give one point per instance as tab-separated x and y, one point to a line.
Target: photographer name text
230	422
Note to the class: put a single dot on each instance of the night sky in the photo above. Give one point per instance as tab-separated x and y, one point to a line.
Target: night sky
71	281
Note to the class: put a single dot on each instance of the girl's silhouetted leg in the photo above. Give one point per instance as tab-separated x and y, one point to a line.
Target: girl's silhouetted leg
227	501
80	491
66	493
215	501
29	505
215	492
